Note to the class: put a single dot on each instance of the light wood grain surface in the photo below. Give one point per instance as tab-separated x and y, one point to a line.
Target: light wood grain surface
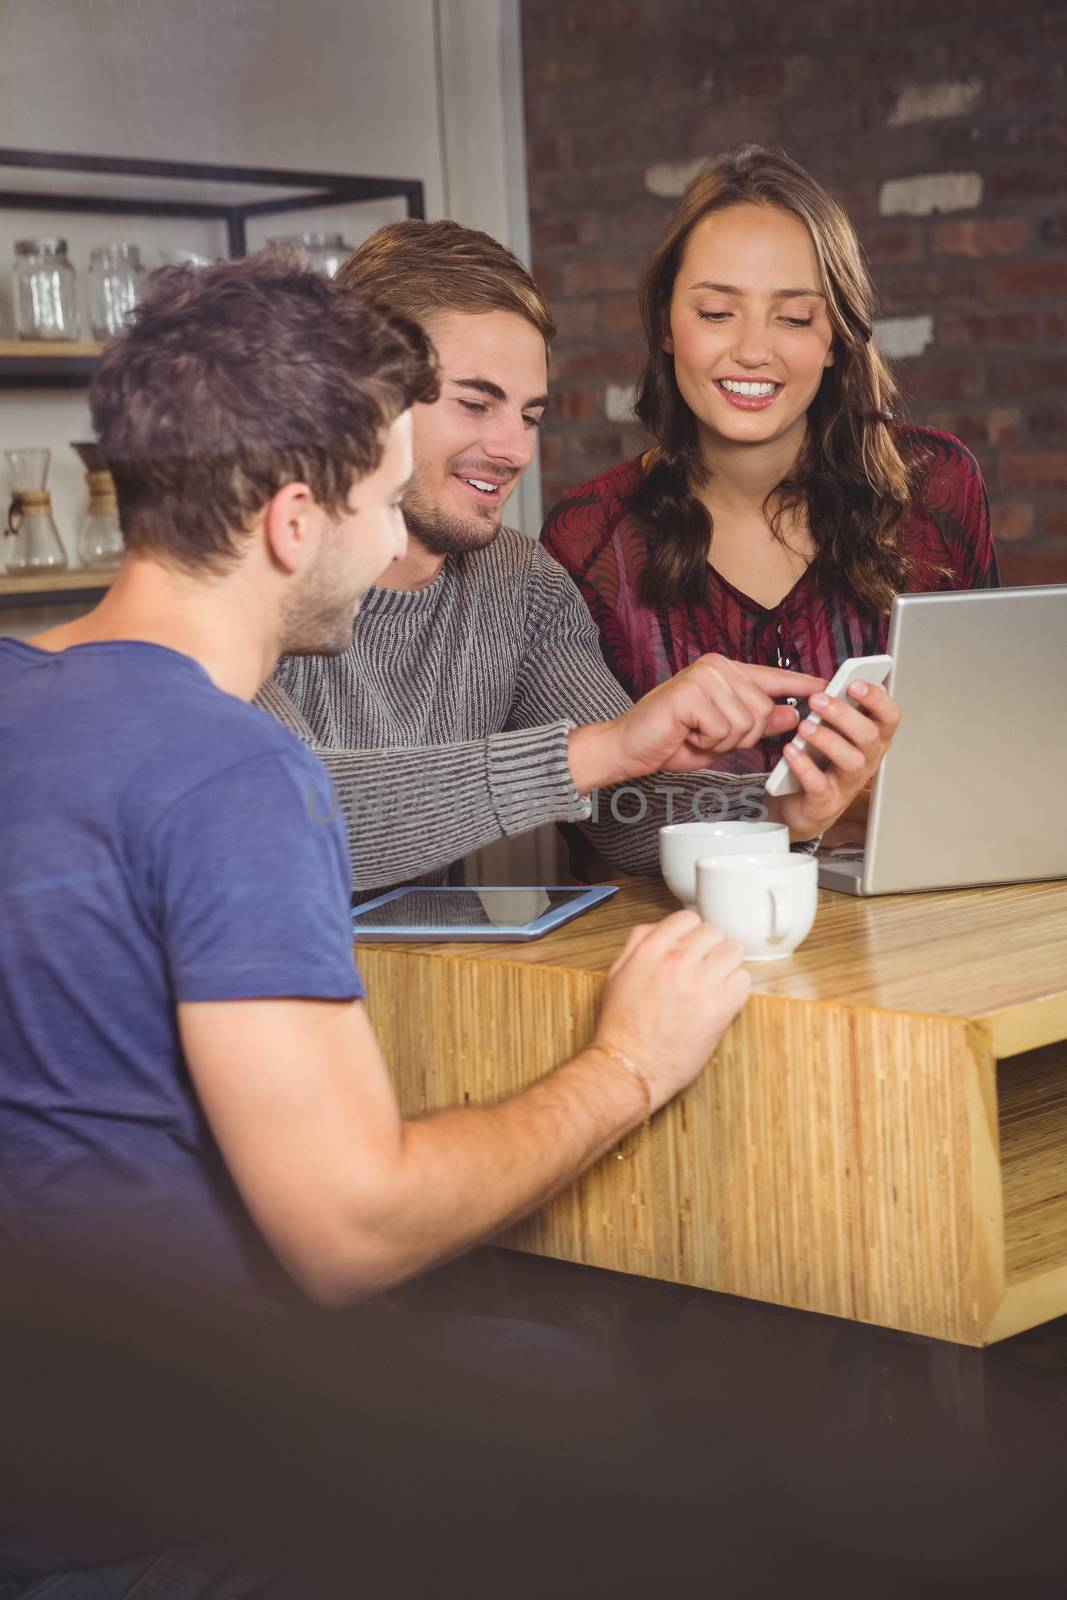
56	582
854	1148
49	349
982	955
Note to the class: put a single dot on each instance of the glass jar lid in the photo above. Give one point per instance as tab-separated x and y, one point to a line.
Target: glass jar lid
40	247
108	254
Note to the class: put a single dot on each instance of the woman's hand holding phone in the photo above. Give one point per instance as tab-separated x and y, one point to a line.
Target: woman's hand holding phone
852	737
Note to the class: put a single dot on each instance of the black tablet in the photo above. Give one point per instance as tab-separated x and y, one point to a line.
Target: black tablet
480	914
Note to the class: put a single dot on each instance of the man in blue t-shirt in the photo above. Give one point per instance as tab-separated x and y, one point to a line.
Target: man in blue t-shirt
188	1080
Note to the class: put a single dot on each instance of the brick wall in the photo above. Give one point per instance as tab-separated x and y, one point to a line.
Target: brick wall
941	125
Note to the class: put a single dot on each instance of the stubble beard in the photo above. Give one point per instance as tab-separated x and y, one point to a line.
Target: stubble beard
442	533
314	623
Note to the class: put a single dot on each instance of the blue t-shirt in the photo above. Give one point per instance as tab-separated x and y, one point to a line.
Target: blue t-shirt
160	841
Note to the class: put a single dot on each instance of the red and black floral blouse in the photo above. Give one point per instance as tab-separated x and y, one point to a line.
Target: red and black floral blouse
814	628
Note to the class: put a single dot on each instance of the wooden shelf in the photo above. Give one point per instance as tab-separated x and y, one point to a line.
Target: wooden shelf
47	363
54	589
1032	1101
49	349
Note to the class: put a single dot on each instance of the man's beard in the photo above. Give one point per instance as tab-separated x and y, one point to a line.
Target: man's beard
443	534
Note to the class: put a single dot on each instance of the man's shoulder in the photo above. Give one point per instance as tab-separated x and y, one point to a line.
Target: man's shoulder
211	735
517	565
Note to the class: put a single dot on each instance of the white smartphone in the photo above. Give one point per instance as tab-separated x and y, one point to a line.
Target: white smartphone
869	669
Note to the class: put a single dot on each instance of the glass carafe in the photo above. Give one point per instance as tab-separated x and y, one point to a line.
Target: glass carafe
31	544
100	540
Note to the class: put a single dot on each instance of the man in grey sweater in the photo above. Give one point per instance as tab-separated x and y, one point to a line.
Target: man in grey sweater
474	701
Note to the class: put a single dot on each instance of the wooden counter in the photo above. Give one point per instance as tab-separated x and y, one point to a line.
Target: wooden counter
882	1134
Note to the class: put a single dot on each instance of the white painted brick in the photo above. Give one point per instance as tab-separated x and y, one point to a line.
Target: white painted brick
935	191
928	102
619	402
900	337
672	178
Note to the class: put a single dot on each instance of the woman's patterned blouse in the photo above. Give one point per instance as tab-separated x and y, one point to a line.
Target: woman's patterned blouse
815	627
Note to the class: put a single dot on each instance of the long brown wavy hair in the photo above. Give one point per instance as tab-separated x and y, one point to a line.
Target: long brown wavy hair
852	477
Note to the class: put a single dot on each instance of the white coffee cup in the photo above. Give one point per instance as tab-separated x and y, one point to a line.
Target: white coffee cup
683	844
766	902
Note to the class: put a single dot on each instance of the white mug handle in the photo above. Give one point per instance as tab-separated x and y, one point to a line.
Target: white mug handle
781	913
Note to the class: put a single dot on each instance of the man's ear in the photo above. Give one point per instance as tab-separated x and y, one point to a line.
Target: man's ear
291	531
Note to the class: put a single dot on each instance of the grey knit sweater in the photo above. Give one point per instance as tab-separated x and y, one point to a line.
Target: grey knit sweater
445	723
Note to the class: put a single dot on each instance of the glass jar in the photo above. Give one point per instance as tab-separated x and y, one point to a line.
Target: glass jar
325	251
46	292
31	544
100	543
116	279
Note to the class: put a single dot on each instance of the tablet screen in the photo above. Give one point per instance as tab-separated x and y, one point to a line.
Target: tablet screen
465	908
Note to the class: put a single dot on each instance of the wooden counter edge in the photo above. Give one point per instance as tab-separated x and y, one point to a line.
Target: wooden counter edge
1027	1026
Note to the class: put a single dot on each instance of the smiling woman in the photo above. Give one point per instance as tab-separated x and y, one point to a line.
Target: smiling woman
786	502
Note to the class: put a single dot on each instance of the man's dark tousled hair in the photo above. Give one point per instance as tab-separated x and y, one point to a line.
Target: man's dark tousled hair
236	379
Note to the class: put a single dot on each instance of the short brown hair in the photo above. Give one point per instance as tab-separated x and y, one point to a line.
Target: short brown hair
236	379
418	268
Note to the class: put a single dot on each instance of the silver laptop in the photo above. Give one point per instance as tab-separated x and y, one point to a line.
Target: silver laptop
974	787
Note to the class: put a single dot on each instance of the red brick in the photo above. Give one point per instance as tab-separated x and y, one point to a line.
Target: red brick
603	449
1045	471
555	231
551	451
978	328
802	75
859	199
1041	181
575	319
576	405
599	277
1054	522
572	191
1028	376
1013	520
553	489
548	280
1034	566
1027	280
904	243
547	155
760	80
601	363
1048	424
942	380
997	427
1026	89
974	236
1056	326
620	314
917	288
1053	230
548	16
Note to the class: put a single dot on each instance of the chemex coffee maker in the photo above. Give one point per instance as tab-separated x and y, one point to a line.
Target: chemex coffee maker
100	539
31	545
